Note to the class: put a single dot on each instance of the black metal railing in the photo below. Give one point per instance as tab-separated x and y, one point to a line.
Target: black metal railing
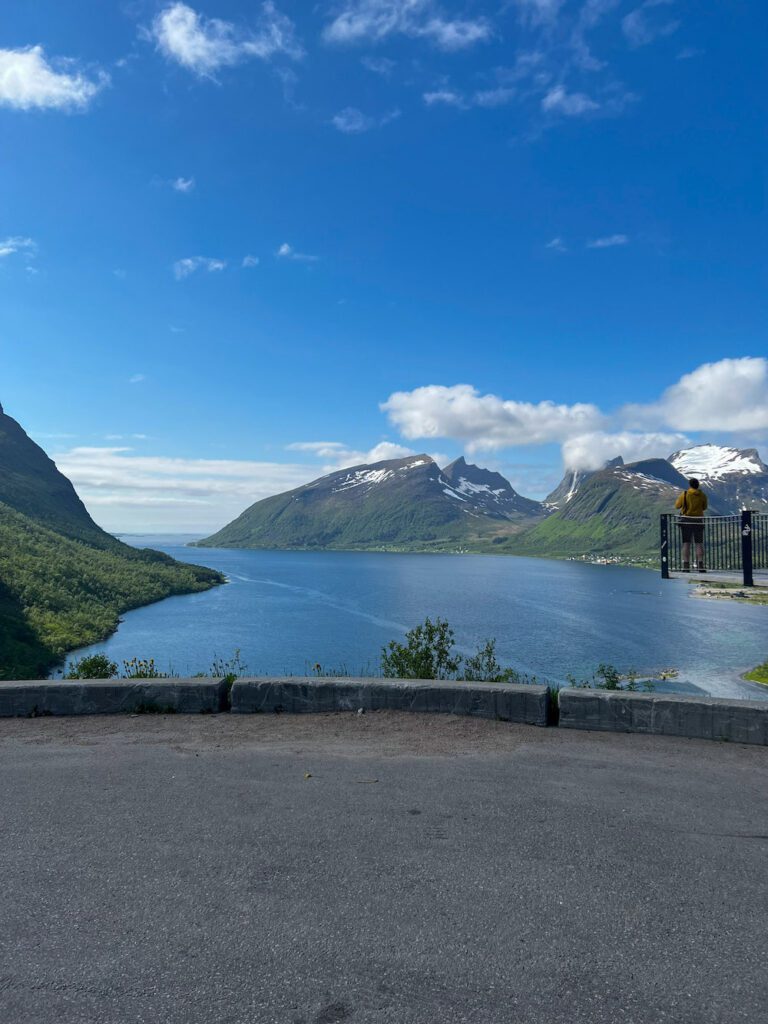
736	543
760	540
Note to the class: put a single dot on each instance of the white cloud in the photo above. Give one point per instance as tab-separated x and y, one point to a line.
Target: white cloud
557	245
183	268
379	65
480	421
287	252
445	97
539	11
730	395
16	244
183	184
352	121
250	261
372	20
497	97
608	242
592	450
572	104
28	81
126	491
337	455
488	98
203	45
641	26
456	34
137	378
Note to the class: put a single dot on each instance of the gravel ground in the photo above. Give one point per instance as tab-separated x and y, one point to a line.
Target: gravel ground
378	868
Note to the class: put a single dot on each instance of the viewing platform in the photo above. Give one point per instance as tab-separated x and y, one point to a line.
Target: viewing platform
735	548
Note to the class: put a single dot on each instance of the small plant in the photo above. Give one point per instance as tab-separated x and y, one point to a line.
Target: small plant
484	667
426	654
336	672
553	713
608	677
230	669
142	668
92	666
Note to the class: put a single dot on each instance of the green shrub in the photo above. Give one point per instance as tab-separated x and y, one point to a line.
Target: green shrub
483	667
608	677
426	653
93	666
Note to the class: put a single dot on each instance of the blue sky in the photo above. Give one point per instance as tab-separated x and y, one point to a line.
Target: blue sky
243	243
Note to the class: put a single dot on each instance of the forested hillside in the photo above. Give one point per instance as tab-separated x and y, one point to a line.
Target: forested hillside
63	581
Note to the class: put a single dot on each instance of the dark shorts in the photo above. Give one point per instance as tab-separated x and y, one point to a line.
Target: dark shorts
692	531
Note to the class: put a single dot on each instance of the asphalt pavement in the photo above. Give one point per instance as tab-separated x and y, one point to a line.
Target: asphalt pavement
377	869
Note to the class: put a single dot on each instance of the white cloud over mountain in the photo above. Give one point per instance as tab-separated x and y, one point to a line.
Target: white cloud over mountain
591	451
480	421
724	397
337	455
29	81
119	485
730	395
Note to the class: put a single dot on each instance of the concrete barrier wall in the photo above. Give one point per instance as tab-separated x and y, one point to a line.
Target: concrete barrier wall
708	718
505	701
109	697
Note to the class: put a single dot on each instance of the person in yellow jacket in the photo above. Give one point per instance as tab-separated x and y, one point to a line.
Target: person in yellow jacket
693	504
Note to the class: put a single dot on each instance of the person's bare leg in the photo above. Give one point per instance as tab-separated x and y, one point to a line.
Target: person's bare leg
687	554
699	556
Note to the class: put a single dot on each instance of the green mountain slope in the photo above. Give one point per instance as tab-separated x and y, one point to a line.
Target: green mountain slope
614	512
64	581
402	504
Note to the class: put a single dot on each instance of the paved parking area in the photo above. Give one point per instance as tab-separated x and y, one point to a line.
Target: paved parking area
378	868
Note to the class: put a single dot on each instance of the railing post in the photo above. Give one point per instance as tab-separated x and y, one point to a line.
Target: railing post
664	547
746	547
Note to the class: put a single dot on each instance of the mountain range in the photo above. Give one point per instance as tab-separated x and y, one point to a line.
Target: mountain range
63	581
411	504
402	504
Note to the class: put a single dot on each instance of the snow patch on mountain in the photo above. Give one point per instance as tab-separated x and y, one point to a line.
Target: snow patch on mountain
641	481
467	487
363	476
452	494
710	462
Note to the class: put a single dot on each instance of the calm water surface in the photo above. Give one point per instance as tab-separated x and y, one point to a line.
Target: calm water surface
288	610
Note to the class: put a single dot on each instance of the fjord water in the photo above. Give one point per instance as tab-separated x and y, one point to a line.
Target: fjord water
289	610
